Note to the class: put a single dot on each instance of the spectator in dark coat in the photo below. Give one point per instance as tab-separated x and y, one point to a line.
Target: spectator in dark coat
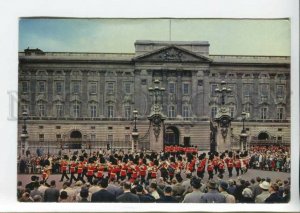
144	196
286	195
51	194
213	195
103	195
31	185
167	198
274	197
128	196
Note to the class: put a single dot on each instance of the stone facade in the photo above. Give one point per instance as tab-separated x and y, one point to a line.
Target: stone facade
94	94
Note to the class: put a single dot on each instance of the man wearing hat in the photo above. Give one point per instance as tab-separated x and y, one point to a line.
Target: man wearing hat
223	186
213	195
264	194
194	197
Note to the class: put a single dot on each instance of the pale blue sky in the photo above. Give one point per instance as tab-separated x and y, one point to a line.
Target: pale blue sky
226	36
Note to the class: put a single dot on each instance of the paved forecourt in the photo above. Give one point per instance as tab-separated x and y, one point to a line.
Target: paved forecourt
251	173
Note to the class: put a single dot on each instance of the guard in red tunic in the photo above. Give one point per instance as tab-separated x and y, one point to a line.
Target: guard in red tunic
215	163
154	172
210	168
80	172
143	171
237	165
100	173
90	173
123	171
229	162
221	165
73	165
201	166
63	168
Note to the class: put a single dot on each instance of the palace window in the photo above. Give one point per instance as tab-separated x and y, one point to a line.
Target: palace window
110	111
172	89
59	110
76	87
214	111
280	91
93	87
76	110
58	87
186	88
93	137
264	90
25	86
42	111
171	112
41	86
110	138
127	112
263	113
127	87
280	112
41	137
110	88
186	112
93	111
247	90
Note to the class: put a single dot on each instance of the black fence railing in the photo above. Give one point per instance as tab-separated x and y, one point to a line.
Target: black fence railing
54	147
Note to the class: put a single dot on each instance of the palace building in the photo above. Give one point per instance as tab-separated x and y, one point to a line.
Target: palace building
86	100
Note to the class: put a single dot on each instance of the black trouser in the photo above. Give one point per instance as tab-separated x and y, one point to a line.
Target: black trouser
210	175
90	178
73	177
216	169
237	171
64	174
129	175
80	177
143	179
221	171
149	176
122	177
200	174
230	171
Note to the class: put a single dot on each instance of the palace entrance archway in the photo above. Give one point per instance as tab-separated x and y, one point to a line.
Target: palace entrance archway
171	136
75	140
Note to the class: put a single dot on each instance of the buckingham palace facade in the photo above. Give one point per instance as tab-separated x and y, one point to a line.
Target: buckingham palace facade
87	99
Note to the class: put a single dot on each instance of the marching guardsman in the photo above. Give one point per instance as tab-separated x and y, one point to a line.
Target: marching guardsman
80	172
73	165
100	171
134	175
171	169
237	164
90	173
201	166
215	163
154	172
229	162
129	170
221	165
63	168
210	168
123	171
143	171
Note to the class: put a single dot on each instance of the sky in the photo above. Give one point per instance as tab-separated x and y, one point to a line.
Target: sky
226	36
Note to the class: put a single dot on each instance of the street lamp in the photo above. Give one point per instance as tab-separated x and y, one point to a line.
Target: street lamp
135	133
24	134
243	135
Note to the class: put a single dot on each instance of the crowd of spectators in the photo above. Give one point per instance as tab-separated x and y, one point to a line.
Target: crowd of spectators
190	190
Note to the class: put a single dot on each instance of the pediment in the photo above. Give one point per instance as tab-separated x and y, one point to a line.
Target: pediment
172	54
